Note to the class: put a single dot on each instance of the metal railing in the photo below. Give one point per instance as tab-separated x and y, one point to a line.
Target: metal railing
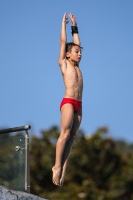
14	159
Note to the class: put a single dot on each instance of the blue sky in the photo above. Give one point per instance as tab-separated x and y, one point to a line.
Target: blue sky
31	84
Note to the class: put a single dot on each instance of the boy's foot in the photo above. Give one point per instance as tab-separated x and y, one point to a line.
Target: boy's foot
56	176
62	177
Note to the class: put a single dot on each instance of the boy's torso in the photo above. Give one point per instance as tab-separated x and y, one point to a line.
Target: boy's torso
73	81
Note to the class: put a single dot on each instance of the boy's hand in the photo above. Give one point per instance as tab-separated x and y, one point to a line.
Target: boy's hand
73	19
65	19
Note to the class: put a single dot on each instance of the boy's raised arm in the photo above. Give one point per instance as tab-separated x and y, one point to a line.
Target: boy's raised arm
63	40
76	38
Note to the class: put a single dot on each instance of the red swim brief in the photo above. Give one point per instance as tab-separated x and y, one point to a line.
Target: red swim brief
77	105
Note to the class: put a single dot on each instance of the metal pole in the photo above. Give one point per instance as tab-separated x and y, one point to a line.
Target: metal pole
15	129
27	163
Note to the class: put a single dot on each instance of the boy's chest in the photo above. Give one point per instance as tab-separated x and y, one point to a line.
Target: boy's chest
73	71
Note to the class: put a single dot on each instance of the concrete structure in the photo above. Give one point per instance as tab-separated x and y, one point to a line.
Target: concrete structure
9	194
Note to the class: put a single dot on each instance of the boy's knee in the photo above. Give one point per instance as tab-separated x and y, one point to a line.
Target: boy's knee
65	134
73	135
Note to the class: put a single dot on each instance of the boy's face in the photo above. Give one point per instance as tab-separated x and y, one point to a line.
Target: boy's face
75	54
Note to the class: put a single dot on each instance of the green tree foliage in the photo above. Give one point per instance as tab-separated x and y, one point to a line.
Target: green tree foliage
99	168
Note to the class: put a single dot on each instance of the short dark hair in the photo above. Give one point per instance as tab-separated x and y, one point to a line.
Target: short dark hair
69	46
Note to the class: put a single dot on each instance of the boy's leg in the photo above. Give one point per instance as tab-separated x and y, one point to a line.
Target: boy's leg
67	116
75	127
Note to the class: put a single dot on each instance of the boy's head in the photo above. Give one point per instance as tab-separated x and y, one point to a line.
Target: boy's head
73	52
